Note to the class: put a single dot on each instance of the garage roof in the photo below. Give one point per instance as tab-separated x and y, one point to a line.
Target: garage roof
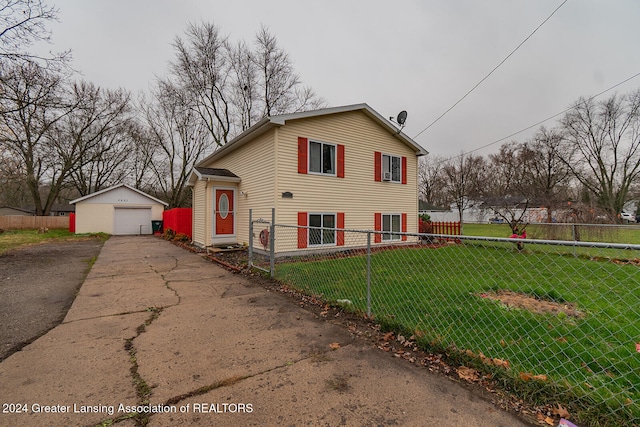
106	190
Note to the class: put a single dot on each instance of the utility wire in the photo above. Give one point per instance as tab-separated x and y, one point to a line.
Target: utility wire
491	72
547	119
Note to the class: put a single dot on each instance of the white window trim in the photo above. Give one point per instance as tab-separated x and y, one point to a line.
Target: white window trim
392	237
335	234
383	155
335	157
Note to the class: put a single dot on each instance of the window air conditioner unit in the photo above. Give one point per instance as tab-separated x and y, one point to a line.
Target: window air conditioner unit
386	176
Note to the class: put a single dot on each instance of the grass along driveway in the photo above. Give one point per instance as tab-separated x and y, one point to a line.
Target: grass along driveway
11	239
586	360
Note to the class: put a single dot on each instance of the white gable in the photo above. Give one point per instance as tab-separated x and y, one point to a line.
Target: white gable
119	195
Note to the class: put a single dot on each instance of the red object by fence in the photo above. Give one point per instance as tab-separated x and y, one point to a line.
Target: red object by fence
72	222
178	220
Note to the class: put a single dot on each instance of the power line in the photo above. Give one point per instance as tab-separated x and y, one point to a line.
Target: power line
547	119
491	72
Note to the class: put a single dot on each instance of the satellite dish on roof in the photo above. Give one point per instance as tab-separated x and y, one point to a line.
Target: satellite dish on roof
402	117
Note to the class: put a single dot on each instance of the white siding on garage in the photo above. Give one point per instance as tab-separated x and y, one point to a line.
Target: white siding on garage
129	221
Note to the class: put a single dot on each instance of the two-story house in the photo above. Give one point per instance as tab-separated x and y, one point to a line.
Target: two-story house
343	167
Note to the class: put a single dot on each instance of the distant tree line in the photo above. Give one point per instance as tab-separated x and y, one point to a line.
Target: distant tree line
589	165
62	138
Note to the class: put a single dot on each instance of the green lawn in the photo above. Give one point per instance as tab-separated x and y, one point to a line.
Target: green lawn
590	361
586	232
12	239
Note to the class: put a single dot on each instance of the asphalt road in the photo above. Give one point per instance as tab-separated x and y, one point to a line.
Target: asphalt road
37	286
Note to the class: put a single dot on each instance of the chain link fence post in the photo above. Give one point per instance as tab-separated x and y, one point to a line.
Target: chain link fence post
369	274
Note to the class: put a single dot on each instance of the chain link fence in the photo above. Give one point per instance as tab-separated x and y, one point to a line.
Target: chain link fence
557	322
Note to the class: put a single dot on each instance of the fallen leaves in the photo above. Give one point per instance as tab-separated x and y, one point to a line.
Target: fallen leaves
334	345
500	363
561	412
528	376
638	347
549	417
545	419
468	374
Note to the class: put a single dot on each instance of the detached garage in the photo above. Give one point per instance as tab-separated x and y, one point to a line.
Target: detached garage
118	210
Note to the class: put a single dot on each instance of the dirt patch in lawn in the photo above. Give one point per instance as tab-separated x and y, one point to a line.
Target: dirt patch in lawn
532	304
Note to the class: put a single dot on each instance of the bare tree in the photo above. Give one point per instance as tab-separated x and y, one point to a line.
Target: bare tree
246	87
431	180
508	186
603	139
547	177
140	156
93	136
31	104
280	84
23	22
464	178
181	140
231	86
13	189
201	73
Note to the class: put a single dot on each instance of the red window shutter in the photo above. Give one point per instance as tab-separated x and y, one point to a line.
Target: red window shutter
302	232
302	154
404	225
404	170
377	168
377	227
340	161
340	234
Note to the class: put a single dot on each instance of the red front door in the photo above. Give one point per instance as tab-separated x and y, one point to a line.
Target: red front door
224	212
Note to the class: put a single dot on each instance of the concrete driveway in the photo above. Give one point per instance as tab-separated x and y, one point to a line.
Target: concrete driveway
162	331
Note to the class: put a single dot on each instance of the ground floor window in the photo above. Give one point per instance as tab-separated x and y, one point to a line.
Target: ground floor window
391	223
323	229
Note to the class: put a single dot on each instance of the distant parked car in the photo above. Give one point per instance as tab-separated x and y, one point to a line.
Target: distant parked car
496	220
627	217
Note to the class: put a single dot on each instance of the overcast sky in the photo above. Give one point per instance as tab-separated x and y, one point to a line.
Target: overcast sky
419	56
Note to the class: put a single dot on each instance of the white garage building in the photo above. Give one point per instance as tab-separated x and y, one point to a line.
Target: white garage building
118	210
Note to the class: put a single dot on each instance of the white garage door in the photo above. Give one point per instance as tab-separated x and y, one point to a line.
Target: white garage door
132	221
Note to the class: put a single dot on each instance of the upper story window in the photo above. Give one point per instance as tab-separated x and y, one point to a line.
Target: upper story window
391	168
322	158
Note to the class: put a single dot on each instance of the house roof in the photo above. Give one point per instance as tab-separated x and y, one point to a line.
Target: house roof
89	196
271	122
63	208
426	206
215	173
25	210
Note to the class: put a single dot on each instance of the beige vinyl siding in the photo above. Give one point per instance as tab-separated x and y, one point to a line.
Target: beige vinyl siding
199	213
94	218
358	195
254	164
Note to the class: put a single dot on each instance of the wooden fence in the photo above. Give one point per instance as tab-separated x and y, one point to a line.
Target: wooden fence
19	222
439	227
446	227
